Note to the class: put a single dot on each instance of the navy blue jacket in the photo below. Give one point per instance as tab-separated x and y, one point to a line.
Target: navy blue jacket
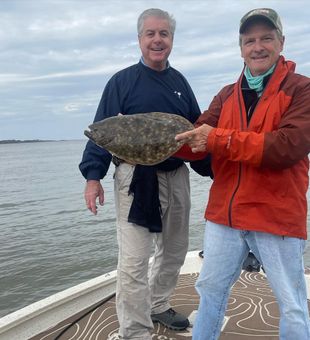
138	89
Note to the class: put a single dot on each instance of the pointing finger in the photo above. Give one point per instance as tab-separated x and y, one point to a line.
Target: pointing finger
185	136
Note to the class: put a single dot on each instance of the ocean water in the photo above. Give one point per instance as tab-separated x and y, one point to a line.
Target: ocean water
49	241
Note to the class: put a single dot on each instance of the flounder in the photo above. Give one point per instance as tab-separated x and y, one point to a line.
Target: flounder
143	138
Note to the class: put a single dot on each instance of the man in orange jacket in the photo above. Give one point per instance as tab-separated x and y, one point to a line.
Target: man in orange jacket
258	132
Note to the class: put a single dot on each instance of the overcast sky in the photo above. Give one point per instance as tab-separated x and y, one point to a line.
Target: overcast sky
57	55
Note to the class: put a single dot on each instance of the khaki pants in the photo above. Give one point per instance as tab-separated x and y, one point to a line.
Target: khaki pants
142	290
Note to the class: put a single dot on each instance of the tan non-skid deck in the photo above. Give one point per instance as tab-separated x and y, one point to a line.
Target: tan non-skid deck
252	313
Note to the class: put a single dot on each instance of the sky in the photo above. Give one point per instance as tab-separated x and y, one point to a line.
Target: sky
56	56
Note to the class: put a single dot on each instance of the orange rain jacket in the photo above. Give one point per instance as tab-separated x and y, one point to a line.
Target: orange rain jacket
261	167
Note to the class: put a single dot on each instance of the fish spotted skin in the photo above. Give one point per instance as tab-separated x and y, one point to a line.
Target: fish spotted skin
143	138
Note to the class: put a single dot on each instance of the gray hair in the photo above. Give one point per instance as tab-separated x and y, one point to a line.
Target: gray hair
155	12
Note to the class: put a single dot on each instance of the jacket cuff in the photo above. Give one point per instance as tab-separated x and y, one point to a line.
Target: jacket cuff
211	140
93	174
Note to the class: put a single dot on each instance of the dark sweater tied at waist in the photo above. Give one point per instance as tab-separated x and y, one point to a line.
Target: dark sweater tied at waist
145	209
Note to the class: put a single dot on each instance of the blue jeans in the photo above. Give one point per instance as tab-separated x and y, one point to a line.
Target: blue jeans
225	249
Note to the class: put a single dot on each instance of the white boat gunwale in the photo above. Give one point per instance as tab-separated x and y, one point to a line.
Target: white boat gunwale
46	313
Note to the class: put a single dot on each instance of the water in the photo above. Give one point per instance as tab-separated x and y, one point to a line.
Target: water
49	241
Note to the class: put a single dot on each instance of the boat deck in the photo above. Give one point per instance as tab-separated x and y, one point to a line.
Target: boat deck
252	313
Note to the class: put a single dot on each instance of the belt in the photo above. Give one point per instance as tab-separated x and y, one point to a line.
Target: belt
117	161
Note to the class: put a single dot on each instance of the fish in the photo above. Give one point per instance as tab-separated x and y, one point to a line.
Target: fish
141	138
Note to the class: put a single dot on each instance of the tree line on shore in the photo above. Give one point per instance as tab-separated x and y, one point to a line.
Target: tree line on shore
10	141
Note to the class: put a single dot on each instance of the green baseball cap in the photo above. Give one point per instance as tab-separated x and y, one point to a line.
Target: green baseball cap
268	14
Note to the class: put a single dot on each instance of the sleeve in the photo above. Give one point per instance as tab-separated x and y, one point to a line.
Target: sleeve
210	117
212	114
279	149
230	144
236	146
96	161
290	143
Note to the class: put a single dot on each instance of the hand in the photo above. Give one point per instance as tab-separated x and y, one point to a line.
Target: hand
93	190
196	139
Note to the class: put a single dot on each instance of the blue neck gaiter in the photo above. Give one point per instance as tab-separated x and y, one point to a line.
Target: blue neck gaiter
256	83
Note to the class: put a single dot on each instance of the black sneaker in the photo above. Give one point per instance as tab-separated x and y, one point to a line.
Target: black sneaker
171	319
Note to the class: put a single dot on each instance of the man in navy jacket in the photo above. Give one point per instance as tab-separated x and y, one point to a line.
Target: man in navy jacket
150	85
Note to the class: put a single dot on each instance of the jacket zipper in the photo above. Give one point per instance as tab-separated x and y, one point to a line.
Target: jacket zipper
232	197
242	128
240	165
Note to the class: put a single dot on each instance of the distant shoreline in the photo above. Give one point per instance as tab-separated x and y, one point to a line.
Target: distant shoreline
19	141
14	141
